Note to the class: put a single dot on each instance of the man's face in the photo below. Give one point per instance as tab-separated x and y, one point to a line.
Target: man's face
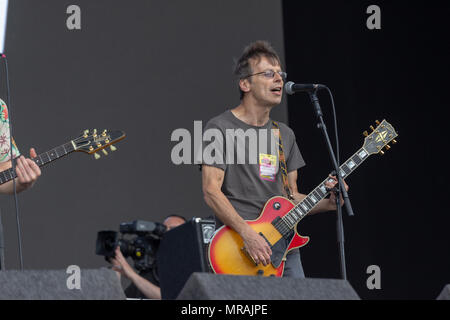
172	222
265	90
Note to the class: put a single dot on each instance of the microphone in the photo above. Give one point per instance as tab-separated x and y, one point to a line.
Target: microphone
291	87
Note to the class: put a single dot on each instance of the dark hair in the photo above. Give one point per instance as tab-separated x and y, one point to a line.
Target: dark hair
254	50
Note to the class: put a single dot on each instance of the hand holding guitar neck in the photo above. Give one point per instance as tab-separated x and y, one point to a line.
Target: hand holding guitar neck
331	187
27	171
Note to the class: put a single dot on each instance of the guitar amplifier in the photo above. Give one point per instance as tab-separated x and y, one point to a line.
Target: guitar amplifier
182	251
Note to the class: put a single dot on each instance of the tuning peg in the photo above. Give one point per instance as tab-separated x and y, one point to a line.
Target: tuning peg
96	156
372	128
377	122
388	147
394	141
104	133
105	152
113	148
382	152
365	133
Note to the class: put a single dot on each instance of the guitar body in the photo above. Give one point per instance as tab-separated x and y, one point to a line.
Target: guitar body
226	254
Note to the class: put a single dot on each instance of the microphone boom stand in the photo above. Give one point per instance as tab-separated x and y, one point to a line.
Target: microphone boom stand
340	189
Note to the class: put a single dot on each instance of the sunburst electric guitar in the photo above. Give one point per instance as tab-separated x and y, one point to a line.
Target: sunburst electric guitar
277	223
90	141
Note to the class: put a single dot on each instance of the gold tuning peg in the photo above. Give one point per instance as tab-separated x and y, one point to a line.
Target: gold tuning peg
377	122
112	148
365	133
105	152
382	152
394	141
388	147
372	128
96	156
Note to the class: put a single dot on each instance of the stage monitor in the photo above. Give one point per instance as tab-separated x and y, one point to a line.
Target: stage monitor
183	251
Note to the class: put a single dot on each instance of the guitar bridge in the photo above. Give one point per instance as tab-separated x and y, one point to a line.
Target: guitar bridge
248	255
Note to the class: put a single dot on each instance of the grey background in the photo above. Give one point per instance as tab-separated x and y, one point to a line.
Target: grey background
144	67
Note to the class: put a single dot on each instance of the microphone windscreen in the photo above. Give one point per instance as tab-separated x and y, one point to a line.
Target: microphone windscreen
288	87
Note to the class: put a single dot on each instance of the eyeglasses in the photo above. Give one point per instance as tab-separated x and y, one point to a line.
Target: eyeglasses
269	74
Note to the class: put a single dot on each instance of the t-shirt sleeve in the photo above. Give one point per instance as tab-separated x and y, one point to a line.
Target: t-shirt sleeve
5	151
295	160
213	146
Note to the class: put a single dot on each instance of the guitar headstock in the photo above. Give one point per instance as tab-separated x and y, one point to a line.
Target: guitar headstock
380	137
91	141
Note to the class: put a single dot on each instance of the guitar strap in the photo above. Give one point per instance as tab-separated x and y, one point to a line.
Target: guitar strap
282	160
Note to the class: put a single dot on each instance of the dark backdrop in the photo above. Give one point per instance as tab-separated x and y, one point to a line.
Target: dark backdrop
398	73
145	67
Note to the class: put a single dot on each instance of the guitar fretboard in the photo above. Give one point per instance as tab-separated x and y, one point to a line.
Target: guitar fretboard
289	220
40	160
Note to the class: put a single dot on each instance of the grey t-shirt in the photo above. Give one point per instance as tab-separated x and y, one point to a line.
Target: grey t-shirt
249	157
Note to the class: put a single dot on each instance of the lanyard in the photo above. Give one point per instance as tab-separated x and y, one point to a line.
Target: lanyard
282	161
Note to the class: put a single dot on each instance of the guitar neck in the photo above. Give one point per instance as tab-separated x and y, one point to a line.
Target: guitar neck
40	160
288	221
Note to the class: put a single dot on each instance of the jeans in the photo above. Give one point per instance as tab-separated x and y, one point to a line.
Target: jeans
293	266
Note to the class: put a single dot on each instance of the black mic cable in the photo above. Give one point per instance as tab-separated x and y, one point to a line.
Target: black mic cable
335	131
11	146
335	125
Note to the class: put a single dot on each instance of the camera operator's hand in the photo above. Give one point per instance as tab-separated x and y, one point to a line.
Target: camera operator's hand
120	265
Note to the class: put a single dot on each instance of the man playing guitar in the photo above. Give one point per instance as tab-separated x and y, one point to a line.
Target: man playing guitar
237	192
